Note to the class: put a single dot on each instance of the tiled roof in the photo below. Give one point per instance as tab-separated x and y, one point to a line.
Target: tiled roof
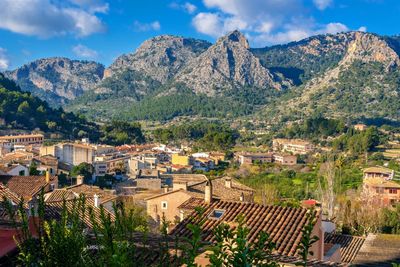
53	210
220	191
283	224
379	250
379	182
60	195
24	186
349	245
191	204
89	191
378	169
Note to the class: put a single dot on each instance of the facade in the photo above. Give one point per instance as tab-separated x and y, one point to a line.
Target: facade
70	153
360	127
181	160
166	205
251	158
285	159
142	163
110	165
378	172
24	139
203	164
295	146
381	192
14	170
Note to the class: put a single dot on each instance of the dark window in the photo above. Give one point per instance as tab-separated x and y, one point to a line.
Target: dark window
392	191
216	214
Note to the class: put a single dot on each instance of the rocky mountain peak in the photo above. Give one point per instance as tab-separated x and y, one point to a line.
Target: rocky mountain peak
160	57
235	37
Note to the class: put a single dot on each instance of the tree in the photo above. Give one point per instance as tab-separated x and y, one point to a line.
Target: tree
84	169
33	169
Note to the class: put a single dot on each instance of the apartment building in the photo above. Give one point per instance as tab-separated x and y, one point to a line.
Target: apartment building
295	146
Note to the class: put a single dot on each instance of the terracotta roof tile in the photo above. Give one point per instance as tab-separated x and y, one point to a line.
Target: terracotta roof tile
25	186
283	224
349	245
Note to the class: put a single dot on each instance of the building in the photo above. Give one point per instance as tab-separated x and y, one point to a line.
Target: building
14	170
251	158
142	163
28	187
295	146
181	160
378	172
195	187
203	164
166	205
103	197
110	165
380	191
360	127
70	153
23	139
283	224
285	159
47	163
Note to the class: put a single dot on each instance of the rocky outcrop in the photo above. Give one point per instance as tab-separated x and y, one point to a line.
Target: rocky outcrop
160	57
226	65
57	79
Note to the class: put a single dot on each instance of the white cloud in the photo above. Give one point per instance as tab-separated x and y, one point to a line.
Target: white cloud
322	4
144	27
362	29
208	23
265	22
189	7
4	62
84	51
93	6
44	18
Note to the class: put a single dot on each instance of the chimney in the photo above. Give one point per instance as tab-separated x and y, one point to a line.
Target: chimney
208	192
228	182
242	197
179	185
165	189
47	176
79	180
96	199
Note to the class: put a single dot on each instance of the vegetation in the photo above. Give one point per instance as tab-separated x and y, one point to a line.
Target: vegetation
205	135
359	142
21	110
121	240
120	133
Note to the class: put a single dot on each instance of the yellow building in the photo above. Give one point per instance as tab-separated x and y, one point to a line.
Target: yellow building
180	160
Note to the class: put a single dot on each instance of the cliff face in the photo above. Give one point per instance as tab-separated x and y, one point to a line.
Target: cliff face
57	79
160	57
228	64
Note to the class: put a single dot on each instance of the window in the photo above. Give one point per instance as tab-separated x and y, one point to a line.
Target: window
216	214
392	191
380	190
52	186
164	205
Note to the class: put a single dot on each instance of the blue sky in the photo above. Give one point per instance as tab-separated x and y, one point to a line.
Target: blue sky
101	30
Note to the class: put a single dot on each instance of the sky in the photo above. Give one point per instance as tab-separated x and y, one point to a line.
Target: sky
101	30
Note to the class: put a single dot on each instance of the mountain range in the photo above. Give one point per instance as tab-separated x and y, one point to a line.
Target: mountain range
351	75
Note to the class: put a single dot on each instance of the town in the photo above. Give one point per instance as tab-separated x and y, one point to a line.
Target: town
166	183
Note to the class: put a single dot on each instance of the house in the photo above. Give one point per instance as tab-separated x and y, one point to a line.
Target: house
110	164
182	160
360	127
23	139
203	164
195	186
47	163
99	196
70	153
28	187
381	250
166	205
285	159
378	172
283	224
251	158
380	191
21	157
142	163
14	170
295	146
